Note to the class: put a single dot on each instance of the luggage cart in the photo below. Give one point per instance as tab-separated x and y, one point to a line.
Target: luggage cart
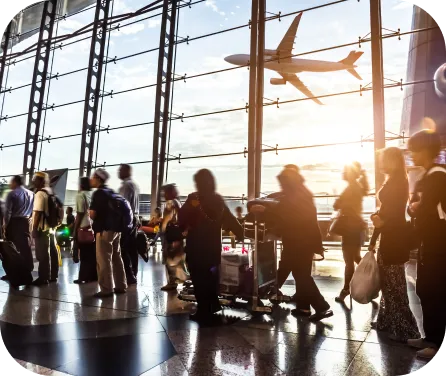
263	257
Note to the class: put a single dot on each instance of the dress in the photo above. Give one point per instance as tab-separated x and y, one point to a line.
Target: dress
395	316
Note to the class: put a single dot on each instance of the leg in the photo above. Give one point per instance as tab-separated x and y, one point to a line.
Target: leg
125	254
42	244
307	292
118	265
18	232
283	272
104	250
350	253
134	257
54	255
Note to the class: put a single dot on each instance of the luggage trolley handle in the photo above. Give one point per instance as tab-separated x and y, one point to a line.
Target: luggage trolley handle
254	257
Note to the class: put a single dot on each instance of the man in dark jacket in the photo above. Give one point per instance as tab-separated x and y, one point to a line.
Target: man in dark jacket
296	215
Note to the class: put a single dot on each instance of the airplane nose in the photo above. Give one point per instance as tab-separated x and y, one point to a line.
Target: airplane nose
230	59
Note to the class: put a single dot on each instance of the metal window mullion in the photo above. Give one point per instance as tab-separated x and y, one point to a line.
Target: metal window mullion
93	86
38	85
167	96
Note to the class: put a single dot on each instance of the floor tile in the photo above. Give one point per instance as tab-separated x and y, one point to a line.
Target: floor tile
172	367
206	339
242	361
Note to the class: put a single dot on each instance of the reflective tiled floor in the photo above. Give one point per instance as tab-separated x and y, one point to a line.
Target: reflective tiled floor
64	330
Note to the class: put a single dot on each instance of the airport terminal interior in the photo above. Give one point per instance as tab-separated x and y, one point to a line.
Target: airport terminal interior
241	88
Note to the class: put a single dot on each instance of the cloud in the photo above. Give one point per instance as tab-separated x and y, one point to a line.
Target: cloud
154	22
401	4
132	29
214	7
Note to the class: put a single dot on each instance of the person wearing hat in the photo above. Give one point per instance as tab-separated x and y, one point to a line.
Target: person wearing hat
108	253
46	253
296	215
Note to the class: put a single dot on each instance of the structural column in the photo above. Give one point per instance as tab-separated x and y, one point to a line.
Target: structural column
259	100
38	85
93	86
378	85
162	99
4	52
170	36
252	101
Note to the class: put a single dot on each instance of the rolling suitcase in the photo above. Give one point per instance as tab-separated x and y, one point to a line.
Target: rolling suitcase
14	265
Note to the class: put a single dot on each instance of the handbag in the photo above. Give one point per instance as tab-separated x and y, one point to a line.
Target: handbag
85	235
343	225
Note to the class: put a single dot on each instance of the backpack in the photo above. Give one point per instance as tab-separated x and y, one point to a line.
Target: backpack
55	210
120	215
440	209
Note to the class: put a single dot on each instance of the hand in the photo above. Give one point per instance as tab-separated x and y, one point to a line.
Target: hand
414	206
377	221
257	209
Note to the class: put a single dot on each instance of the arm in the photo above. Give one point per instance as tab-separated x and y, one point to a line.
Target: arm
36	220
232	224
8	208
374	238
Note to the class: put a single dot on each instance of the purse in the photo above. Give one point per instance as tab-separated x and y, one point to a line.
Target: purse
344	225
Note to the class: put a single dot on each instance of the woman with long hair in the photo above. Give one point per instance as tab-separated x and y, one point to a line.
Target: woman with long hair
349	205
87	249
395	316
203	216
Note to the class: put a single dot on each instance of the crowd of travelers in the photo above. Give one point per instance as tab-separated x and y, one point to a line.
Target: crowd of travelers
106	227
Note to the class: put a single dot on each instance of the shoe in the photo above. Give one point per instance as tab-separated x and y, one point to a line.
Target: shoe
169	287
318	316
301	312
5	278
53	280
120	291
419	343
132	282
342	296
374	325
427	353
78	282
40	282
201	316
102	294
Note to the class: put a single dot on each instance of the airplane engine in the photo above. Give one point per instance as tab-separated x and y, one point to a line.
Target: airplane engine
278	81
440	81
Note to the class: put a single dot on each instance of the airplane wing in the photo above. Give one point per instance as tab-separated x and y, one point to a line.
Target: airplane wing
286	46
299	85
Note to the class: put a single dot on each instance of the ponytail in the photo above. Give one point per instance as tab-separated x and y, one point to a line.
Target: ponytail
364	182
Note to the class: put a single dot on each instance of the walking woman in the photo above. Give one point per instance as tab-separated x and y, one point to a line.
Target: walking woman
395	316
83	235
203	216
349	205
430	220
296	216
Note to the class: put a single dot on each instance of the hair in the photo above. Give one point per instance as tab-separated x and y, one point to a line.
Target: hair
43	177
127	167
70	209
290	178
18	180
84	184
393	159
170	191
239	209
205	181
426	140
355	172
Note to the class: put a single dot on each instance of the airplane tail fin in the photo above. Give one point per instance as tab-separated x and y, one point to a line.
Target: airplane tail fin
354	73
352	57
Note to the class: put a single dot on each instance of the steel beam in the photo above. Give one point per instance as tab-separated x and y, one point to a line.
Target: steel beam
93	87
252	101
170	36
378	86
259	101
159	108
38	85
4	48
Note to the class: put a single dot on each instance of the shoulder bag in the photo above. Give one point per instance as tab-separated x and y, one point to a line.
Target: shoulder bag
85	235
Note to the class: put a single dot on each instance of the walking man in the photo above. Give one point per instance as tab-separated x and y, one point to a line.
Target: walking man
108	253
18	213
130	191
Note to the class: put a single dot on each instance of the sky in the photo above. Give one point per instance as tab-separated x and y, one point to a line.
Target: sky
343	118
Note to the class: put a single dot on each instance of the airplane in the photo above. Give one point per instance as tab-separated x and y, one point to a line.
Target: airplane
287	67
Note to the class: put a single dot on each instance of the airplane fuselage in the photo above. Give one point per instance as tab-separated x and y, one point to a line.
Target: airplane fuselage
296	65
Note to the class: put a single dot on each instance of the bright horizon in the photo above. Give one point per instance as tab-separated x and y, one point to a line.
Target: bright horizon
342	119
